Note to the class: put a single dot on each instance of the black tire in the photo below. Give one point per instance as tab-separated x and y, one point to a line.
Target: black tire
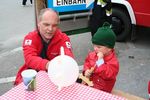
121	24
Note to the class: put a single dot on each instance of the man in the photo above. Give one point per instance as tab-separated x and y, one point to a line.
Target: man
101	12
43	44
24	2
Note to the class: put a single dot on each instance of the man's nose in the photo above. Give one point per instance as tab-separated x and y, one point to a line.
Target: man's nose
50	27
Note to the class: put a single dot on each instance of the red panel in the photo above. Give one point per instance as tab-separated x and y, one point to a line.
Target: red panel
142	11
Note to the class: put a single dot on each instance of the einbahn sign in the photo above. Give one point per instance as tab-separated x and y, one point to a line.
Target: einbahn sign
70	5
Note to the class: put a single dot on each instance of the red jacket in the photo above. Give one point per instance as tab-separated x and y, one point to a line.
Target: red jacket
104	76
32	47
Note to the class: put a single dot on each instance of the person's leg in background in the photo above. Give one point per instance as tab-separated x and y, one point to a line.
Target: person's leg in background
24	2
31	1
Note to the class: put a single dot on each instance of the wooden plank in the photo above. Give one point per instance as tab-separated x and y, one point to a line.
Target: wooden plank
39	4
126	95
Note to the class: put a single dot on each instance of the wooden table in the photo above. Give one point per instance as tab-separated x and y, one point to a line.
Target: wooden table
46	90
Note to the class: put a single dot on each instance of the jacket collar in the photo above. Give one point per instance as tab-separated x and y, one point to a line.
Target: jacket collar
108	57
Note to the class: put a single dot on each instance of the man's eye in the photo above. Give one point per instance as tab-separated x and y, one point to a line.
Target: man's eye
54	25
46	24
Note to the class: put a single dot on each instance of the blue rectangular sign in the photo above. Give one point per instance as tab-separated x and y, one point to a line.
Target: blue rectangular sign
70	5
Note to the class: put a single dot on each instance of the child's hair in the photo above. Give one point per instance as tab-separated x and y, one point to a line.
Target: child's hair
104	36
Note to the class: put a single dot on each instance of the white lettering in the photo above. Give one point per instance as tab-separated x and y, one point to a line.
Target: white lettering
68	2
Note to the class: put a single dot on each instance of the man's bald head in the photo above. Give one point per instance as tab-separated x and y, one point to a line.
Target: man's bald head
49	11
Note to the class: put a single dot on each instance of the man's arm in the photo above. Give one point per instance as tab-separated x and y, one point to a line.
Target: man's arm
31	54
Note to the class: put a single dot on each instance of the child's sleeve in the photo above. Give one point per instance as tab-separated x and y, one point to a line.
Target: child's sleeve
86	64
108	70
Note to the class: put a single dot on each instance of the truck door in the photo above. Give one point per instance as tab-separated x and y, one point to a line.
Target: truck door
142	11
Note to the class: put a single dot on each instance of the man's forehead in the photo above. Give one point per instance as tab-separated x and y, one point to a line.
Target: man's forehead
50	15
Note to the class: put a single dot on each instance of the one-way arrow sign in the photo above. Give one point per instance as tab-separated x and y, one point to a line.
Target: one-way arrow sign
70	5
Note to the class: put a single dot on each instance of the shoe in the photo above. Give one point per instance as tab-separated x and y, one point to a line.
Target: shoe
23	5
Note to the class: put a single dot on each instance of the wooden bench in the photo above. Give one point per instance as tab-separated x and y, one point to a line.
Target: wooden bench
126	95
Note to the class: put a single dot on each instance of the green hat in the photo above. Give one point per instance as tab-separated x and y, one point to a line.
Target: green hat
104	36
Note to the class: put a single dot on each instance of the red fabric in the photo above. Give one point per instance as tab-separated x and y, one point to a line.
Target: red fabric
149	87
32	51
104	76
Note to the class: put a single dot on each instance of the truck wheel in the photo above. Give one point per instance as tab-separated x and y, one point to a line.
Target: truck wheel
121	24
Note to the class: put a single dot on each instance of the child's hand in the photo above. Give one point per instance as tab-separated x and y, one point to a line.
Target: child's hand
88	73
100	55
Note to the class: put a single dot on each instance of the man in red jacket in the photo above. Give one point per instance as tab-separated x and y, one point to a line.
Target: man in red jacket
42	45
101	65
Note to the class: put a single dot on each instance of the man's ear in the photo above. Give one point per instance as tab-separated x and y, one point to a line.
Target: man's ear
38	24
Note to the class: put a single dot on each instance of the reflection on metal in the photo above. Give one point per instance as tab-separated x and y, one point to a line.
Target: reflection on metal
75	15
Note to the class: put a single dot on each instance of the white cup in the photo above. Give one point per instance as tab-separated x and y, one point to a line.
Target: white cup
28	77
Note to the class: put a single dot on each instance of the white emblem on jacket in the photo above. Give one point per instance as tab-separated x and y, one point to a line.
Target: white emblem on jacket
28	42
68	44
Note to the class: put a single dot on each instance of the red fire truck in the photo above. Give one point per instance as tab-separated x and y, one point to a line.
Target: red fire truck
127	14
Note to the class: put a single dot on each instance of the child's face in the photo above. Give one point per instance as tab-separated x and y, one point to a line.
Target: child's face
98	48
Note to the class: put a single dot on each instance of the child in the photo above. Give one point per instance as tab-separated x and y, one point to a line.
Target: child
101	66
